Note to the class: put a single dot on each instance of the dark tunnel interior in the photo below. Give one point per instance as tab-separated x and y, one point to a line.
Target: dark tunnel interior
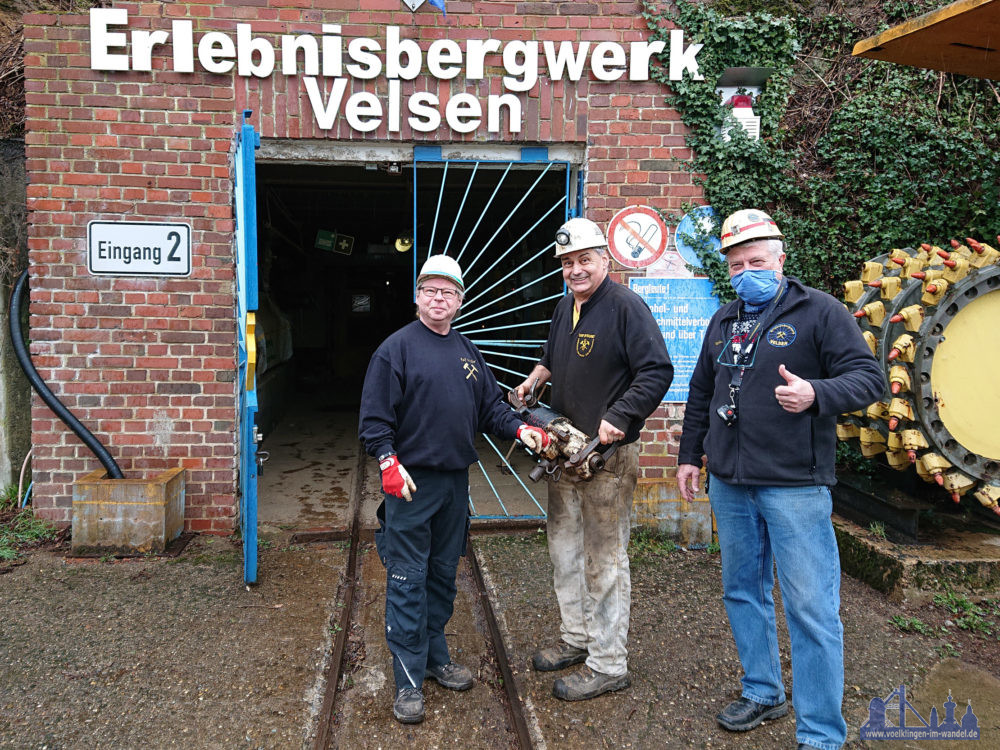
334	281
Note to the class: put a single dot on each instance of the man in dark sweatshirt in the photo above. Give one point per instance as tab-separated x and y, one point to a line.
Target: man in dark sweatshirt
426	396
609	370
776	368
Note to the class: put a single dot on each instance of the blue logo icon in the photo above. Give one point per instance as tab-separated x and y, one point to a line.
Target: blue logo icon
895	718
781	335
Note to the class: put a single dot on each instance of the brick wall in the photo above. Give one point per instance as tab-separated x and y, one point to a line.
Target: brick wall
148	364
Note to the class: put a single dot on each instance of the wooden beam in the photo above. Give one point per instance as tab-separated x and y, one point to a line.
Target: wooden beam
963	37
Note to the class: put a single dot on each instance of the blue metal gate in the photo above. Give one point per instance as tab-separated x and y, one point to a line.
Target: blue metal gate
245	187
498	220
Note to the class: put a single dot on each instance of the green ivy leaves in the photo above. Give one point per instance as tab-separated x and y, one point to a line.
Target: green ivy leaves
855	156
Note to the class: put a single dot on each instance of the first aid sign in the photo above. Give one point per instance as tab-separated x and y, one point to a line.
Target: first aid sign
133	248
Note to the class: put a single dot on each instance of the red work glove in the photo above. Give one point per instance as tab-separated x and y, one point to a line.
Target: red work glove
534	438
396	480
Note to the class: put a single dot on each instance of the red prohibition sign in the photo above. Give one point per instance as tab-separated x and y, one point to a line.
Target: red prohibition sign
637	236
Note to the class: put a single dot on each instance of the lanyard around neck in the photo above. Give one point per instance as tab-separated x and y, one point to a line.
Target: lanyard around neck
750	342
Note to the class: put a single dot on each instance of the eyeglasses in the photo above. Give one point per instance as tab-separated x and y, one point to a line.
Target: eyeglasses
430	292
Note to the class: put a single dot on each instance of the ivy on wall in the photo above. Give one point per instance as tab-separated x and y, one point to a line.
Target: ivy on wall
855	156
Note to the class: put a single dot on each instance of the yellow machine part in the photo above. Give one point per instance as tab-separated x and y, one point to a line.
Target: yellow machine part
928	314
969	404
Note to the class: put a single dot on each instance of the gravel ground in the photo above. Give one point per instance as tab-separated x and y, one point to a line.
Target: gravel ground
155	653
164	652
683	663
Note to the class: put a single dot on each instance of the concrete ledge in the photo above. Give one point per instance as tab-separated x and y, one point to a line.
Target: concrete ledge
657	503
118	516
947	559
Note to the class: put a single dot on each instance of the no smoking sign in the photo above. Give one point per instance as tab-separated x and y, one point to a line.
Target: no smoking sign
637	236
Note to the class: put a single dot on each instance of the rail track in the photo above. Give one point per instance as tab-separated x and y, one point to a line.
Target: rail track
341	625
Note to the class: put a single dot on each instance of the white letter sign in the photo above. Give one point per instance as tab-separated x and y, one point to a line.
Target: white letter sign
133	248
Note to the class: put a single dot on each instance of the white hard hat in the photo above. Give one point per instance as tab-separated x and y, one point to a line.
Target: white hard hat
443	266
578	234
748	224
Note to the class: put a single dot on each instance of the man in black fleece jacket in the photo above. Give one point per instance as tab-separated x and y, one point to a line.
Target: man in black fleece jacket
776	368
609	370
426	395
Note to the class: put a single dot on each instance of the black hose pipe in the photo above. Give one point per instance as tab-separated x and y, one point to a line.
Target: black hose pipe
48	397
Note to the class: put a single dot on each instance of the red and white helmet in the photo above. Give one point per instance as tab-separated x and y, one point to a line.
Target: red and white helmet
748	224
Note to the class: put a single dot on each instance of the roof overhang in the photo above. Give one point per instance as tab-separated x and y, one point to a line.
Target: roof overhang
963	38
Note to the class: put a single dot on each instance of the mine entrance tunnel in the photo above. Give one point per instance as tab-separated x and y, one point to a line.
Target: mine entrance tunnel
338	250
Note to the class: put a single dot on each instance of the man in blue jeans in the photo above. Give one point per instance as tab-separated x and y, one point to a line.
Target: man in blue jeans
776	368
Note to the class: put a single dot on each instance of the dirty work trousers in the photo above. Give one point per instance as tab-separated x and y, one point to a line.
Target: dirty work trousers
588	528
419	543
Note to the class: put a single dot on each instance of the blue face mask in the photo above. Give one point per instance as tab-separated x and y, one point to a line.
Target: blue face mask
756	286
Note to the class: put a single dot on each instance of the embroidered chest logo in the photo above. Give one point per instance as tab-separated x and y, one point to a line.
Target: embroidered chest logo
469	365
584	344
781	335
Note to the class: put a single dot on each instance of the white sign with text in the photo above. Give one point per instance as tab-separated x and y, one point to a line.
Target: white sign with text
133	248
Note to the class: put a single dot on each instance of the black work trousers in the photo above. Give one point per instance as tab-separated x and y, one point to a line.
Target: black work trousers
419	543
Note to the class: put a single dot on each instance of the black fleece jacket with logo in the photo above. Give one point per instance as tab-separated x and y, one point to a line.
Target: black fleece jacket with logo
813	336
613	365
425	398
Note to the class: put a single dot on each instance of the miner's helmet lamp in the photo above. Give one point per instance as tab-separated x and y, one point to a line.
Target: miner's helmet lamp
443	266
578	234
746	225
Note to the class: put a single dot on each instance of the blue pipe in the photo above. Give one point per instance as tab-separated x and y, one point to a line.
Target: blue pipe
57	407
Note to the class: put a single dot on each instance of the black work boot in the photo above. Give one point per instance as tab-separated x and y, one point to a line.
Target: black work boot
558	657
586	683
408	708
744	714
452	676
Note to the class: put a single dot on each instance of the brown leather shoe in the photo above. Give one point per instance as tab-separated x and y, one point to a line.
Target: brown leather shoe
586	683
558	657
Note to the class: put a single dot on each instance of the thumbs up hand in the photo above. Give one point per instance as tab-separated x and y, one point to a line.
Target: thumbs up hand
796	395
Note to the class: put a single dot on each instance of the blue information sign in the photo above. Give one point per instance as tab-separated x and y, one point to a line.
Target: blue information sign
682	309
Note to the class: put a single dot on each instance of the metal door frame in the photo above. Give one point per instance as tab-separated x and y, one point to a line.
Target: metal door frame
245	236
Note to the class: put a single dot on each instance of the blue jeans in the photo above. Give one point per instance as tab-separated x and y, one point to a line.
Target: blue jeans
759	526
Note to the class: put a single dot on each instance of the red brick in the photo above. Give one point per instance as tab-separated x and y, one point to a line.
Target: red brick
158	145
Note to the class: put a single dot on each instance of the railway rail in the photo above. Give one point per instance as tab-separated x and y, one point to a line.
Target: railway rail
341	623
